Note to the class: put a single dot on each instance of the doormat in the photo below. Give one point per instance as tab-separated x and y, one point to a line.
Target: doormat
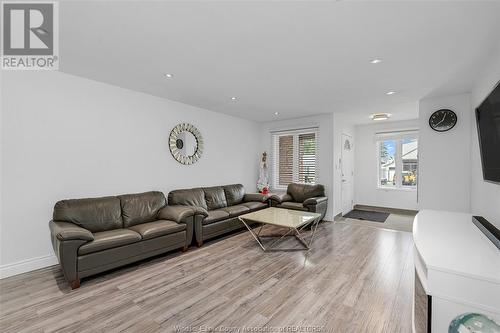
367	215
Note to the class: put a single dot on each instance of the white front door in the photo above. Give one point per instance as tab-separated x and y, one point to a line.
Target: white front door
347	173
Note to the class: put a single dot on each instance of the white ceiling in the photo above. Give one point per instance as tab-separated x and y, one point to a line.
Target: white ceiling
295	58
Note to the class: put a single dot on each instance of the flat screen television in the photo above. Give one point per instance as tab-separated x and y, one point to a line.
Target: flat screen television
488	126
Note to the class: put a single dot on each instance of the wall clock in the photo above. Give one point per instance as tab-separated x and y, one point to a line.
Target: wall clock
443	120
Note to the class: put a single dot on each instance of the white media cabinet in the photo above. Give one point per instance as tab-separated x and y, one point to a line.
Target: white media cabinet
457	270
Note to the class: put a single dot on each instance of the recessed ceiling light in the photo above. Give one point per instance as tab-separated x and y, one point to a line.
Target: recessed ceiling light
169	75
375	61
276	113
390	92
380	116
234	98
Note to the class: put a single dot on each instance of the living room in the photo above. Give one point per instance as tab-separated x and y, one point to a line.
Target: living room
350	126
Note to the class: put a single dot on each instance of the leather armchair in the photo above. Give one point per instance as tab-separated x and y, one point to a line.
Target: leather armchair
278	198
310	198
314	201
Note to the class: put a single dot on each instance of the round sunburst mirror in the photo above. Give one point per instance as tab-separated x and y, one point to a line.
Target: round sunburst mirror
186	143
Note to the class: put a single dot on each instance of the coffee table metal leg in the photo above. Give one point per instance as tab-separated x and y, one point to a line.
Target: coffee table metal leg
253	234
300	239
296	233
260	229
282	236
314	231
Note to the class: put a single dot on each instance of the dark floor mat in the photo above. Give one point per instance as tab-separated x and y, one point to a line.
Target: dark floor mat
367	215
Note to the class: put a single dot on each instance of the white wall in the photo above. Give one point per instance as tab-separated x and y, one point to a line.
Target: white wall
1	161
444	158
325	147
485	196
366	161
69	137
447	158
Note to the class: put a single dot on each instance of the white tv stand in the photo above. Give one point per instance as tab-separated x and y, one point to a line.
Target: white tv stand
457	270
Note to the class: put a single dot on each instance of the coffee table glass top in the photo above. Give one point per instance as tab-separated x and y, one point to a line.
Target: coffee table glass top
281	217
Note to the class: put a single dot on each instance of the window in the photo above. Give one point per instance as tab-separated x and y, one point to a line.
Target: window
387	162
409	151
397	159
294	157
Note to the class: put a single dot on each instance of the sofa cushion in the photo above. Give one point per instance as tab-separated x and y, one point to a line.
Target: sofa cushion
93	214
109	239
254	205
141	207
234	194
215	197
215	215
301	192
292	205
188	197
236	210
157	228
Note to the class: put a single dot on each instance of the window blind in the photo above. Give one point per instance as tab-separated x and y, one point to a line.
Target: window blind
294	157
285	153
307	158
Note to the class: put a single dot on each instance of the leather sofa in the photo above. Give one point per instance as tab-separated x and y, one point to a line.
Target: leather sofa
217	208
309	198
93	235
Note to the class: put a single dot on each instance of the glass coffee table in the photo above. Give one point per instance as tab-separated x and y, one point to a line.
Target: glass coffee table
293	221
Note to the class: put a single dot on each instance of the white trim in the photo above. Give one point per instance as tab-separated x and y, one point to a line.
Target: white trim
296	130
27	265
398	159
396	135
394	188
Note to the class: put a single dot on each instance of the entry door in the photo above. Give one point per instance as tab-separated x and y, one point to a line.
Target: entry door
347	172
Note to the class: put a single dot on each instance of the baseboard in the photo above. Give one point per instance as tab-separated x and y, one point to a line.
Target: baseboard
337	217
27	265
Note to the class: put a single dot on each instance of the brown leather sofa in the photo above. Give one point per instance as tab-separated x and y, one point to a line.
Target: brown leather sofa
217	208
93	235
309	198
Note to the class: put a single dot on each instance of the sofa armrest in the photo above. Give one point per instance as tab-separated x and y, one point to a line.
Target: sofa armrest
200	211
177	213
280	197
314	201
64	231
66	239
255	197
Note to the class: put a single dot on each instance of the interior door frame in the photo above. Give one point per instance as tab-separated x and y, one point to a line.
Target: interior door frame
341	171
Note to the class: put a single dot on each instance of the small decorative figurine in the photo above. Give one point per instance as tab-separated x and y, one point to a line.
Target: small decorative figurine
263	182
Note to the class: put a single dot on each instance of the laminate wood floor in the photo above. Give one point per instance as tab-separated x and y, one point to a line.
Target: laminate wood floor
355	279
